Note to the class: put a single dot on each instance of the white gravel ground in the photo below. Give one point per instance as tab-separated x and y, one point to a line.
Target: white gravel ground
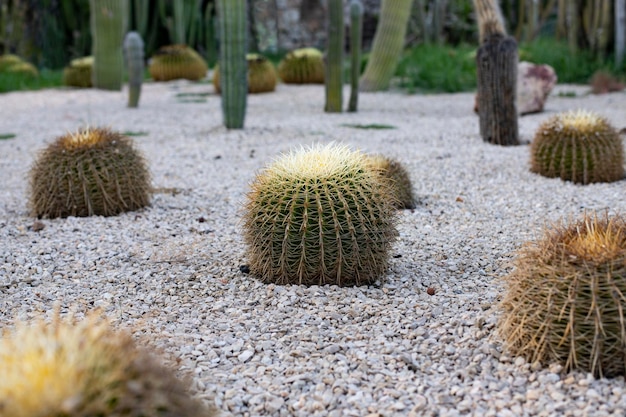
171	271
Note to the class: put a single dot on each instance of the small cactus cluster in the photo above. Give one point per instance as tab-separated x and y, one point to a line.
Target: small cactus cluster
174	62
262	76
78	73
399	178
317	216
302	66
94	171
13	64
83	368
578	146
565	298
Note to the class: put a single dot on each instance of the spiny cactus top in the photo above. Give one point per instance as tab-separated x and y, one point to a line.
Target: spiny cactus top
320	215
86	369
93	171
578	146
565	298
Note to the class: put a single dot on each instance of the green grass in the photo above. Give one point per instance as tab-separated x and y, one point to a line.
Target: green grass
375	126
17	82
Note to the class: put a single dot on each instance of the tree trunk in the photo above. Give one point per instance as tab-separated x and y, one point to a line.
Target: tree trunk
496	66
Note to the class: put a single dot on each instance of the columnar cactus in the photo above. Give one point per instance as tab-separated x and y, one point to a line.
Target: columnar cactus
356	41
319	216
334	57
578	146
76	369
108	26
133	52
302	66
565	299
94	171
233	20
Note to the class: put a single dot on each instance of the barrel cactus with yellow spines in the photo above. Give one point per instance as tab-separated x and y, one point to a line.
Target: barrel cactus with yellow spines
302	66
565	298
401	184
25	69
174	62
262	77
578	146
78	72
7	60
94	171
84	368
319	215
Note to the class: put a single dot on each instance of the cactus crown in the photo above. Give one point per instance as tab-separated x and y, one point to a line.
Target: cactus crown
319	215
578	146
564	299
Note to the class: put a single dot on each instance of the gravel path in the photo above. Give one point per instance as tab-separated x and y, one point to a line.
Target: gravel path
172	271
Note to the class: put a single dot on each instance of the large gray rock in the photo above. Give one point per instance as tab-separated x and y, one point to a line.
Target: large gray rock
534	84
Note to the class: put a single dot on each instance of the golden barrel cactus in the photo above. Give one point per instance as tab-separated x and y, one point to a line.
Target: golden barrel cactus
93	171
78	73
319	216
78	369
578	146
398	176
565	299
302	66
262	77
174	62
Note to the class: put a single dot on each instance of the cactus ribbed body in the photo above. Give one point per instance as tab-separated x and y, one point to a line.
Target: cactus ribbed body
356	36
387	46
302	66
133	52
108	26
172	62
232	15
78	73
397	174
564	299
578	146
334	57
319	216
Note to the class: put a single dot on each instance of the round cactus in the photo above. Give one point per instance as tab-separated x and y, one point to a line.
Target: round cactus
77	369
319	216
174	62
578	146
8	60
302	66
90	172
22	68
399	178
565	298
262	76
78	73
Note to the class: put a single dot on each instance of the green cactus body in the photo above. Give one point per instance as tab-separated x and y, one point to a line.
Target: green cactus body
108	26
83	368
565	297
302	66
334	62
397	174
90	172
23	68
387	45
173	62
134	55
262	77
8	60
356	36
233	27
78	73
578	146
319	216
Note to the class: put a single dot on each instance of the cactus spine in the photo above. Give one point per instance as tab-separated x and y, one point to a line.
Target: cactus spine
133	52
334	67
356	35
108	26
233	65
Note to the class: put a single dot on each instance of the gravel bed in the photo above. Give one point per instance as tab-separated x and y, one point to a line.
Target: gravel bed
171	272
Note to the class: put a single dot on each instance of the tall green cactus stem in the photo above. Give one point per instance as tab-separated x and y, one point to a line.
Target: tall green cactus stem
387	46
356	42
334	67
133	52
233	21
108	26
